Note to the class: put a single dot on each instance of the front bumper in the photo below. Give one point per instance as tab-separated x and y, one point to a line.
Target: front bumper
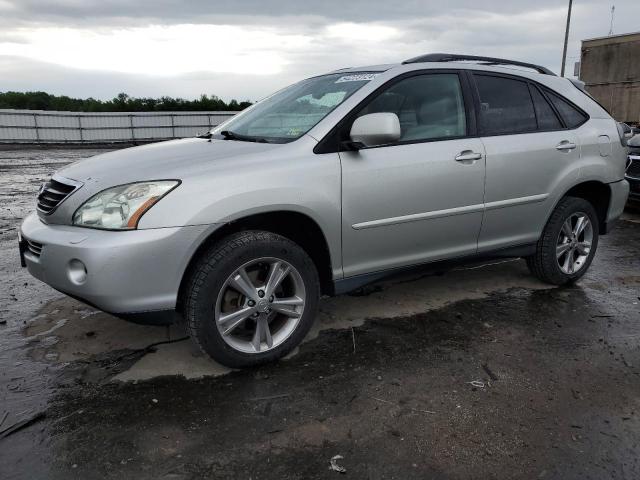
633	177
124	272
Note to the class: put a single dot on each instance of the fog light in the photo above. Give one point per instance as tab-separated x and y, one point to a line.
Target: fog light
77	272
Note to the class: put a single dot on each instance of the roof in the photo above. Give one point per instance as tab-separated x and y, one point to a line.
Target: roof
368	68
456	58
459	61
620	38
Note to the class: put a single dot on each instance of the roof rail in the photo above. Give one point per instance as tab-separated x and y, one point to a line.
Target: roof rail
451	57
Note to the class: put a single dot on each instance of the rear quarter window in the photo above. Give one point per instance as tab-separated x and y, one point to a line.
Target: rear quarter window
572	116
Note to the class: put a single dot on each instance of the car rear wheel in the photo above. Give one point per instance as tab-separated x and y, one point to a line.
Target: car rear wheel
568	243
251	299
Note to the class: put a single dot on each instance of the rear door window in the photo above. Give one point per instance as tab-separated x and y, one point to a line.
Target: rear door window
571	115
505	106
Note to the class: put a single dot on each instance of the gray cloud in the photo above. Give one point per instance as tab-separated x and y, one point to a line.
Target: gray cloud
250	11
531	31
26	75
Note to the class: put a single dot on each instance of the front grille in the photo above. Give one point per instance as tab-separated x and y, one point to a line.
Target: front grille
633	170
53	194
34	247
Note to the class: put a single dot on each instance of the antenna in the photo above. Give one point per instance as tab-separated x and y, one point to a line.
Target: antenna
613	10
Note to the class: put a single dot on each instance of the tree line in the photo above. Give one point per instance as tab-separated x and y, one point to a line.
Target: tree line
121	103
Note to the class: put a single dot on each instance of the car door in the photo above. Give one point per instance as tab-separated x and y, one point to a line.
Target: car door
529	152
419	199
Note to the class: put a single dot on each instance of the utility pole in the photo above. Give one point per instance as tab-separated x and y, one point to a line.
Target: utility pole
566	39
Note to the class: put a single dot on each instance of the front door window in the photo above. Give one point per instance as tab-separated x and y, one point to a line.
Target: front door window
429	107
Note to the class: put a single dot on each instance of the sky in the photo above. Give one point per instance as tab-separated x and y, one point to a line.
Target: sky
246	49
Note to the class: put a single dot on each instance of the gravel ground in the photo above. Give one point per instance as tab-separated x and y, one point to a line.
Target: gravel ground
478	373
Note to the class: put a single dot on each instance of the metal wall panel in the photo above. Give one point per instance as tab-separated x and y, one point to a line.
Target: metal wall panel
612	76
36	126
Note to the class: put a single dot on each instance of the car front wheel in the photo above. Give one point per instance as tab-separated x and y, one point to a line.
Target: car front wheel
252	298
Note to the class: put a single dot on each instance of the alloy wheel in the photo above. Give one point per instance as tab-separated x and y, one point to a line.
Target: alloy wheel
574	243
260	305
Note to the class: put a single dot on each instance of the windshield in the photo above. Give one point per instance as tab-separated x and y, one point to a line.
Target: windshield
293	111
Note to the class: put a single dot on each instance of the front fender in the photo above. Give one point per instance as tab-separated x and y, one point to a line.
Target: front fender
295	180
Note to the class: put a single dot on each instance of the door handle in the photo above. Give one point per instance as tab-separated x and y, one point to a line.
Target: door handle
566	146
468	156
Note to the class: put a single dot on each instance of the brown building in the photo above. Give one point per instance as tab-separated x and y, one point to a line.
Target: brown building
610	67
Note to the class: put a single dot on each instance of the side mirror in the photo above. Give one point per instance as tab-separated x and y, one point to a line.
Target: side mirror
375	129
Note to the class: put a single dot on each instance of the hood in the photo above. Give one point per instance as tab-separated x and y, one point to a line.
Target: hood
175	159
164	160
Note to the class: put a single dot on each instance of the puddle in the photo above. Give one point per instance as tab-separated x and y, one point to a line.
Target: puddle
82	334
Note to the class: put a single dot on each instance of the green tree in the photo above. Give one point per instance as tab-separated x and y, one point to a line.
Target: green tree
120	103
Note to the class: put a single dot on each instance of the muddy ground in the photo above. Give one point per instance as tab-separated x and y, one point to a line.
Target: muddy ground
481	372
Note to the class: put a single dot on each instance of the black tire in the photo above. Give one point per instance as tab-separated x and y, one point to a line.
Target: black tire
209	276
544	264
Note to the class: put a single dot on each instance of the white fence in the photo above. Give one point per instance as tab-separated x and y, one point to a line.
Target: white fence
38	126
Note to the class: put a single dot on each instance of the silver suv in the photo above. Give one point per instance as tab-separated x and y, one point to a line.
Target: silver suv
330	184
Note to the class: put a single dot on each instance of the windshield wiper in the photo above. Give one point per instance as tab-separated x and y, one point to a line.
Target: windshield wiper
229	135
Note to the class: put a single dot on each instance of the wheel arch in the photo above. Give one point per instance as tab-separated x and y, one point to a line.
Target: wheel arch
296	226
597	193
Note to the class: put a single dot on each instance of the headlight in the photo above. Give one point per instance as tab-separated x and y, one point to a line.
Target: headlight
120	208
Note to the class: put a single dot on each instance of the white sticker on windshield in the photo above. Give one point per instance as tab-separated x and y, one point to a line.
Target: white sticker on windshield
359	77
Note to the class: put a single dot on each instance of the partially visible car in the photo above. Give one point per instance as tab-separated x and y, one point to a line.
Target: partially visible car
633	171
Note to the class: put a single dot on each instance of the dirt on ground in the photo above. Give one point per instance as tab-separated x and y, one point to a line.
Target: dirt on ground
480	372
